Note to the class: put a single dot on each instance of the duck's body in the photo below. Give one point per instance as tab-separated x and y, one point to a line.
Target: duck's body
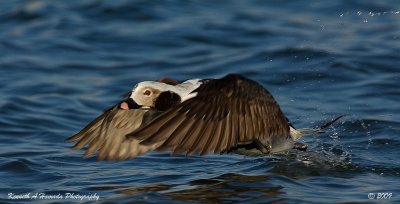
193	117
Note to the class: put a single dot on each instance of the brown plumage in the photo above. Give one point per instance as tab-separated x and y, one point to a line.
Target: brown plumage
169	81
226	114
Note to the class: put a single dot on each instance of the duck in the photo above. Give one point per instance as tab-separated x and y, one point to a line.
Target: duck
193	117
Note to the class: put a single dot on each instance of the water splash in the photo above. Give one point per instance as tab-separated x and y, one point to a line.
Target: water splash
366	15
364	126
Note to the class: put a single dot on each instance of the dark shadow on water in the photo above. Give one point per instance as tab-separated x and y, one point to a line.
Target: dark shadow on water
226	188
231	188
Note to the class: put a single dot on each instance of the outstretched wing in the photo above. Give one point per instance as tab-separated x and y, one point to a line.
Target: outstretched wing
225	113
106	134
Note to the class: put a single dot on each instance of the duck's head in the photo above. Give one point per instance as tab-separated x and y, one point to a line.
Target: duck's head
151	94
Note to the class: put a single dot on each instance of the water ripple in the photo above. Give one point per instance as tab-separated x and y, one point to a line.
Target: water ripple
62	64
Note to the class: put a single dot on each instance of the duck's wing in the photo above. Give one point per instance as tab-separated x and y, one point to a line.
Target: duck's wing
106	134
225	113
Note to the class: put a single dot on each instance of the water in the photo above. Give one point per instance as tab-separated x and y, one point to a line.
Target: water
63	62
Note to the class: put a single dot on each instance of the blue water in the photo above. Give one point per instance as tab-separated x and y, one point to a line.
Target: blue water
63	62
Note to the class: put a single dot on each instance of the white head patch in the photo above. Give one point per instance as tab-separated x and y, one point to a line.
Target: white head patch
144	93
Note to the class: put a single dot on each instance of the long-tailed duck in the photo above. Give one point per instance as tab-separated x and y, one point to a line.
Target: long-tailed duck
193	117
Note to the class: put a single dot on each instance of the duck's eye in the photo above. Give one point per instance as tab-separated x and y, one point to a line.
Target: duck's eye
147	92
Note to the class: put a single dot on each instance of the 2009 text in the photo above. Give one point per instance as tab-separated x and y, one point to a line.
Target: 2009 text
380	196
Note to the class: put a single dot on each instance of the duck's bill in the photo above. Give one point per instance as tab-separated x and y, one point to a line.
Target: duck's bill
129	104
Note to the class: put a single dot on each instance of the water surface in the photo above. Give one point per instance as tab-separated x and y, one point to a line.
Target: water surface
63	62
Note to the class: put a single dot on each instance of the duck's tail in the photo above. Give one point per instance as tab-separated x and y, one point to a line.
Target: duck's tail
298	133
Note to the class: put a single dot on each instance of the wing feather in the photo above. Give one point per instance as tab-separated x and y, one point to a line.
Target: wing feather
180	132
148	131
107	134
92	126
213	139
249	123
185	145
220	134
202	141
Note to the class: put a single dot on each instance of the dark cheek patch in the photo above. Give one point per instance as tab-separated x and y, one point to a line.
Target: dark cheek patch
167	100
